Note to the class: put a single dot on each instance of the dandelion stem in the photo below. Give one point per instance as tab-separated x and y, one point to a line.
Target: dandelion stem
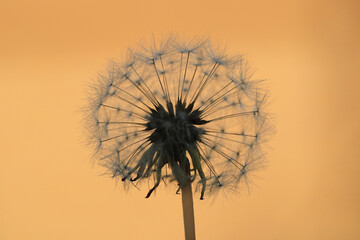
188	211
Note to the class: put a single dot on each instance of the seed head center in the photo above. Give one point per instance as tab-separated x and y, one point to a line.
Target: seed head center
175	128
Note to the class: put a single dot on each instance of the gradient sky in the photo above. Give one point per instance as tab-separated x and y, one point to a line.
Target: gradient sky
307	50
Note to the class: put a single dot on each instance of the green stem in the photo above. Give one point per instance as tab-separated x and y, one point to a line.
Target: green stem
188	211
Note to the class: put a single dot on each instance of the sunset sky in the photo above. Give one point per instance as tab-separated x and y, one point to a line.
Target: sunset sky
309	54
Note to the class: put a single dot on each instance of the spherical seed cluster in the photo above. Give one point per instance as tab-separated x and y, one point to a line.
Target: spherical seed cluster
179	111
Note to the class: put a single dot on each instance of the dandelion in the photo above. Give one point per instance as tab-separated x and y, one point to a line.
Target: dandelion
179	112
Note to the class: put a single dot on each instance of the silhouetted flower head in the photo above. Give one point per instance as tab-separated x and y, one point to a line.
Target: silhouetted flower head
179	111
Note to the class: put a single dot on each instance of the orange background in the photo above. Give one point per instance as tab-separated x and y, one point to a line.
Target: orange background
309	52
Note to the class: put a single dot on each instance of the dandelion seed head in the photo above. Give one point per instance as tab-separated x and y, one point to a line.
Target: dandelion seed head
179	110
